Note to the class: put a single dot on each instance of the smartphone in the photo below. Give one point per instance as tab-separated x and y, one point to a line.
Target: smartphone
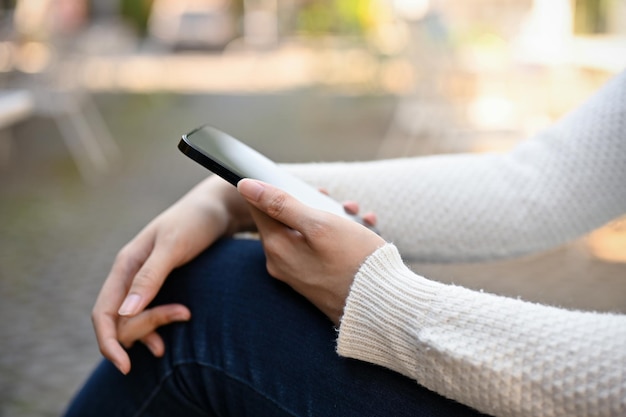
233	160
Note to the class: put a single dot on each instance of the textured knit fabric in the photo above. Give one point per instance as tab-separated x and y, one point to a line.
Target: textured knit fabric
503	356
557	186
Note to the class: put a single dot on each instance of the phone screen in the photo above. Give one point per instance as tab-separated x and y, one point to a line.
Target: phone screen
236	158
233	160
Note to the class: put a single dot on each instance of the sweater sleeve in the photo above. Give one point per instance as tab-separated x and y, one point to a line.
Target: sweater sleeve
499	355
550	189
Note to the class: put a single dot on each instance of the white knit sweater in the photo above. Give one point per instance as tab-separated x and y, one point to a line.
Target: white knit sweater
502	356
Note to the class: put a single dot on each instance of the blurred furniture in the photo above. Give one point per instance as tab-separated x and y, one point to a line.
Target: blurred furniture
15	106
77	118
42	81
47	94
81	126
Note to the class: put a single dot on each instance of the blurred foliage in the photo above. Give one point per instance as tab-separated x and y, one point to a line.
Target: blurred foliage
591	16
7	4
336	17
137	13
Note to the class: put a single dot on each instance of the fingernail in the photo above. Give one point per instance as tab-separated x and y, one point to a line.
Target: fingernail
120	367
181	316
152	348
250	189
130	305
122	370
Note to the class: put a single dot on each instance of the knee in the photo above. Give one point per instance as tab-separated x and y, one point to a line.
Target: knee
222	269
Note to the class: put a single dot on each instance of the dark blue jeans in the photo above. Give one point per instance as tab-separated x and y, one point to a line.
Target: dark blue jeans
253	347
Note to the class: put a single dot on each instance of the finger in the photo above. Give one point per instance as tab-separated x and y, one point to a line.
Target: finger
370	219
323	191
273	234
127	263
276	204
110	347
154	342
147	281
104	314
351	207
277	239
145	323
264	223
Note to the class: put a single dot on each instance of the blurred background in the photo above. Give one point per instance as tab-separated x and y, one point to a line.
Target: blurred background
94	96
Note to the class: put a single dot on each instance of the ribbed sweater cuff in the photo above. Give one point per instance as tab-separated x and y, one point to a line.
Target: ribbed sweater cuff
384	311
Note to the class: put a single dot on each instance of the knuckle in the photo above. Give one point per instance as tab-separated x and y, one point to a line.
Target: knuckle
271	245
276	205
318	228
157	319
104	352
272	269
274	247
122	254
97	318
125	254
127	257
146	278
105	348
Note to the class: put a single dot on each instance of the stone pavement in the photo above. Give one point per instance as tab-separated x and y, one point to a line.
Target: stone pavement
58	236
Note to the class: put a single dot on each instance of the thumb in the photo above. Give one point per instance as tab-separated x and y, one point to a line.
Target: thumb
276	203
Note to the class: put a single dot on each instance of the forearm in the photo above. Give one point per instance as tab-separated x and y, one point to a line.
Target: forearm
558	186
501	356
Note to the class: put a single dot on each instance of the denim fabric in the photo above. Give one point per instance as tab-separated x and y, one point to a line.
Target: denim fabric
253	347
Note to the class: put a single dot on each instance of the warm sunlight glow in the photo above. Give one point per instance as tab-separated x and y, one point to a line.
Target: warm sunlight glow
492	112
546	33
609	242
33	57
411	9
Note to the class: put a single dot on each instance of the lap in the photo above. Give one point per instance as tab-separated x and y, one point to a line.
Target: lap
252	347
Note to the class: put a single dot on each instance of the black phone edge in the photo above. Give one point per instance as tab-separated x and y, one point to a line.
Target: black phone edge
228	175
213	166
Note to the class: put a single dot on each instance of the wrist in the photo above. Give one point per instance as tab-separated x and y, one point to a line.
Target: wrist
224	205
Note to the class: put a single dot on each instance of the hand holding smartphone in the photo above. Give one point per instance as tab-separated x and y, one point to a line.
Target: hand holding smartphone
233	160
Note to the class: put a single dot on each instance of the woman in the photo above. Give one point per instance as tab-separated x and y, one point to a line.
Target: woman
246	344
